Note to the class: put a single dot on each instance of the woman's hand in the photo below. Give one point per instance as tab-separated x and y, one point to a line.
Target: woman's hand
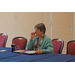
39	52
32	35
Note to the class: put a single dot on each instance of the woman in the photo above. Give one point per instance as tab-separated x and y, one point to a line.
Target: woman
39	41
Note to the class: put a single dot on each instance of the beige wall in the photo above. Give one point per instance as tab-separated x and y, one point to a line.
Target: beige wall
22	23
60	27
7	25
47	22
26	22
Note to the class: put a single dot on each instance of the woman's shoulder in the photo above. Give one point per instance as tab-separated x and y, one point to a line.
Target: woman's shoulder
47	38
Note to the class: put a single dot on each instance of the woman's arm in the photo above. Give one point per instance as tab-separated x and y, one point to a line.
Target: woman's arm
29	45
47	46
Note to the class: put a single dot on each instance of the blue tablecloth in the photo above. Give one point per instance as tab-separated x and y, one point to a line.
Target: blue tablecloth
5	48
25	57
57	58
7	53
9	56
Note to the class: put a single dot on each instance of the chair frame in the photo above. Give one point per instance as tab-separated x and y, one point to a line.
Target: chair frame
67	45
5	39
62	44
20	37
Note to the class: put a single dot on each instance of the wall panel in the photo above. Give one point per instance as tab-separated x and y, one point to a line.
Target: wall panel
22	23
7	25
47	22
60	27
26	22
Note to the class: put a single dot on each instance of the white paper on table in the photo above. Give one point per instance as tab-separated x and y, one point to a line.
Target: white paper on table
3	50
18	50
29	52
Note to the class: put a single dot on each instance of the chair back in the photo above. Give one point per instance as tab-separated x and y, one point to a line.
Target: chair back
3	39
20	42
57	45
71	47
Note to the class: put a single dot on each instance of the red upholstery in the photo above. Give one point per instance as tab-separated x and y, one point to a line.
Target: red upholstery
57	45
71	48
2	40
20	43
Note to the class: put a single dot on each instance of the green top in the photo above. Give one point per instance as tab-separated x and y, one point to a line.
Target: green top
46	46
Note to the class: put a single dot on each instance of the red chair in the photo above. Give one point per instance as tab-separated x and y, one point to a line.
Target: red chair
3	39
71	47
20	42
57	45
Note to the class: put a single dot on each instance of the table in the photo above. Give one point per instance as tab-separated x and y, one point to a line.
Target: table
7	53
9	56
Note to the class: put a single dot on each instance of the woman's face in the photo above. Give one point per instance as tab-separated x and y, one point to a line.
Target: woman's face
38	32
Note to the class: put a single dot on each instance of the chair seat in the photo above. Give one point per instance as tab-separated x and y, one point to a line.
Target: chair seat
71	47
3	39
57	45
20	42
